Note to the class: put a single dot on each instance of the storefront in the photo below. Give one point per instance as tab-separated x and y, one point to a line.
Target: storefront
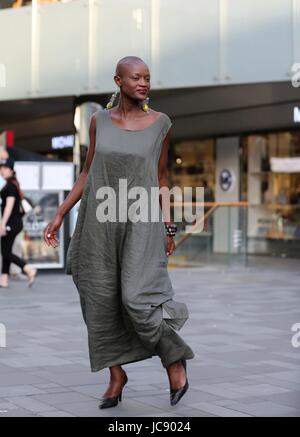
45	186
263	170
273	177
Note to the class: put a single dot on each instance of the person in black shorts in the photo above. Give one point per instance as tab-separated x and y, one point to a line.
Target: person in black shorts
11	223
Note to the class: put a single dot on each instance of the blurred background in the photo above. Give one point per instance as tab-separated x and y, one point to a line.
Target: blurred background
225	71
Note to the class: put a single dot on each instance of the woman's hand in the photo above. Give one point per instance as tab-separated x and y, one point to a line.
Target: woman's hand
50	231
170	245
2	230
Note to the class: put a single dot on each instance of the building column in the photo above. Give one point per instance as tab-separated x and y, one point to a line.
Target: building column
225	220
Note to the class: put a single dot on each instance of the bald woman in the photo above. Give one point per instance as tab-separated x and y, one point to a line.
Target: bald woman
120	266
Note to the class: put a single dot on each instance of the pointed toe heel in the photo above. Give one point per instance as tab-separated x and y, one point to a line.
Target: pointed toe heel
113	401
109	402
176	394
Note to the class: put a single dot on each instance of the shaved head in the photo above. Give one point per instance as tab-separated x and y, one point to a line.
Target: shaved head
125	63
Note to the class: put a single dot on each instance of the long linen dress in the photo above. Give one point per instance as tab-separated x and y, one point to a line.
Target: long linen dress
120	267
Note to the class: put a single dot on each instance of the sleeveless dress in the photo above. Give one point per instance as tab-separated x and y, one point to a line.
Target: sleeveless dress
120	267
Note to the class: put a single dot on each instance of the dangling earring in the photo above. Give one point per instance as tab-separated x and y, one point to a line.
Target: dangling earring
145	104
112	99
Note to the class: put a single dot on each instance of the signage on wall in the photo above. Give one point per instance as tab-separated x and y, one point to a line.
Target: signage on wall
62	141
226	179
285	165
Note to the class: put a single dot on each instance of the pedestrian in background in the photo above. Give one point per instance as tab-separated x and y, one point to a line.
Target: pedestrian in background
11	223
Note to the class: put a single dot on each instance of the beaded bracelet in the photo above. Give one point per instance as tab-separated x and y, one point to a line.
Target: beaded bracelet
171	229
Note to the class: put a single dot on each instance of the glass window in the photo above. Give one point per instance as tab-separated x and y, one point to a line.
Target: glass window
274	190
192	165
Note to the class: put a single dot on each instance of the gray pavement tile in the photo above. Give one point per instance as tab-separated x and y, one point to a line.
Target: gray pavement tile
198	396
282	364
19	390
259	389
28	349
274	381
221	392
93	390
55	413
73	378
123	409
133	394
156	401
18	378
4	369
162	400
68	368
290	399
162	415
184	411
47	385
264	409
143	388
20	412
33	360
212	371
30	404
5	404
291	375
230	402
291	355
239	328
59	389
61	398
218	410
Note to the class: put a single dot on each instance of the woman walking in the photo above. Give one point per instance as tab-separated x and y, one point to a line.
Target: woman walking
120	266
11	223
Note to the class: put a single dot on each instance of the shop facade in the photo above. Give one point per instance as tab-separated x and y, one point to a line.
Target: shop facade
225	139
259	168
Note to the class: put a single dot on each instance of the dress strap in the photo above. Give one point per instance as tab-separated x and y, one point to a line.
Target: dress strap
167	123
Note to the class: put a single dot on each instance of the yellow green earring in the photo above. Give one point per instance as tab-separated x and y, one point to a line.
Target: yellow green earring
111	100
145	105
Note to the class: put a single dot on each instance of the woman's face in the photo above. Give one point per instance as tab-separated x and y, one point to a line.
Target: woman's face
135	80
5	172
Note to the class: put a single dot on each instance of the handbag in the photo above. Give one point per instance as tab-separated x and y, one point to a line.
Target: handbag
26	206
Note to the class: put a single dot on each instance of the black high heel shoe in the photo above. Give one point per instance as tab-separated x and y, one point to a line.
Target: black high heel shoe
113	401
176	394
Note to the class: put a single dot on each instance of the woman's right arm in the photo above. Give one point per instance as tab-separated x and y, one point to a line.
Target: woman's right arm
75	194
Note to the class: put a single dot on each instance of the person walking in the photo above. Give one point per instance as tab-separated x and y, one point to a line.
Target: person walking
11	223
120	266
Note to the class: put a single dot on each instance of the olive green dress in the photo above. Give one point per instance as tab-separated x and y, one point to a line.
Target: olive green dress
120	267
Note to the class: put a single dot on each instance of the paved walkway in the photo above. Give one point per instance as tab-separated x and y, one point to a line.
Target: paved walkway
239	327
